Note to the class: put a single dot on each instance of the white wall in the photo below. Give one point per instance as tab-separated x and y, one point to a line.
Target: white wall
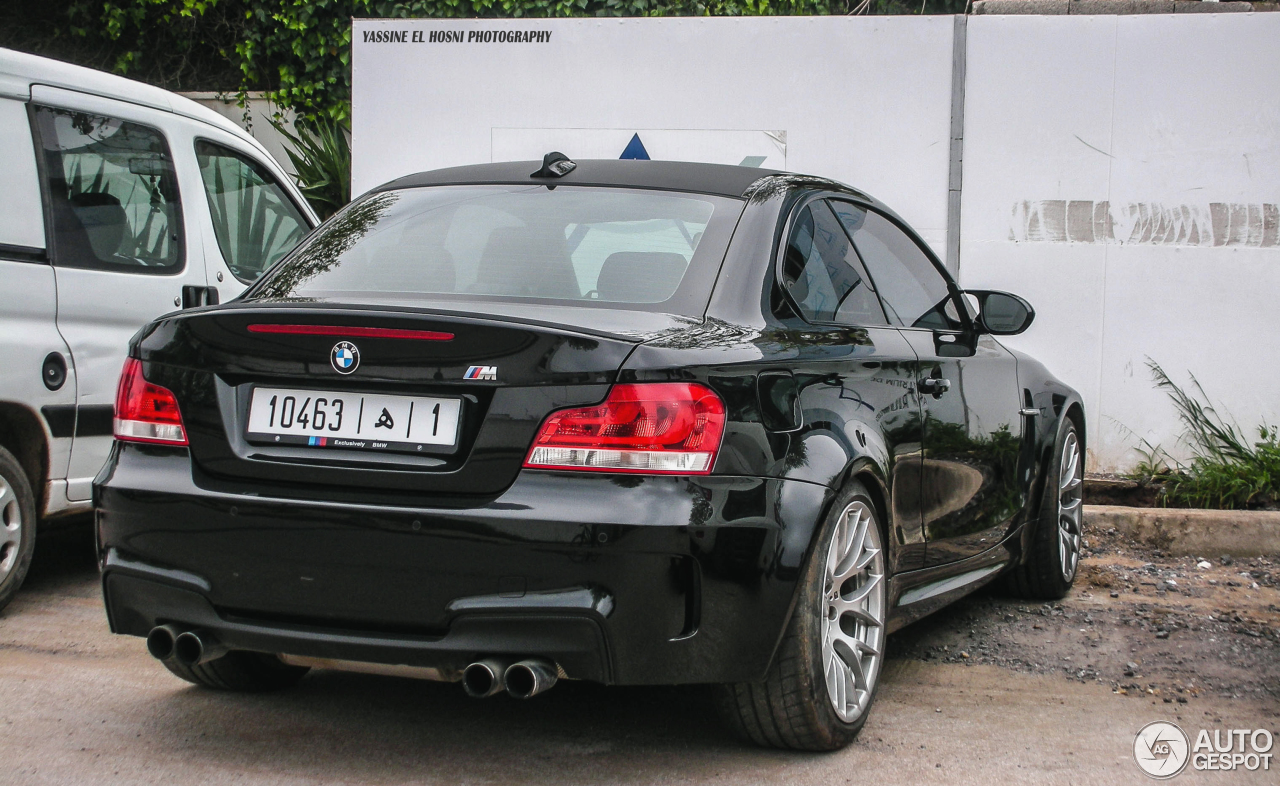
1123	173
865	100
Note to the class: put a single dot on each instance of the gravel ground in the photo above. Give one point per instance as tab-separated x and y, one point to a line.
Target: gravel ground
1145	624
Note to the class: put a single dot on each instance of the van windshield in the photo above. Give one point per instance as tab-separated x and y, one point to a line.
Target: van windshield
615	247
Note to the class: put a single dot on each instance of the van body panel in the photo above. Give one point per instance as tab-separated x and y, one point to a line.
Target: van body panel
28	292
88	314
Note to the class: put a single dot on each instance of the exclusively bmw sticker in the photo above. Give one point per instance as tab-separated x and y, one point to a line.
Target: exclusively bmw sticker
489	373
344	357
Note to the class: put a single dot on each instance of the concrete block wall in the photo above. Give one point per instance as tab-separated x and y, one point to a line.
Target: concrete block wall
1122	172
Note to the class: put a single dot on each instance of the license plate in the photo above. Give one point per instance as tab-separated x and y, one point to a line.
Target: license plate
355	421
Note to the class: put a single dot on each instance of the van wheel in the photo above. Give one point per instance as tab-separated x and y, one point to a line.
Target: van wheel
241	672
820	688
1054	554
17	526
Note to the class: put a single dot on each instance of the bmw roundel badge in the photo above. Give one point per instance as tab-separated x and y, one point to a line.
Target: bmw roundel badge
344	357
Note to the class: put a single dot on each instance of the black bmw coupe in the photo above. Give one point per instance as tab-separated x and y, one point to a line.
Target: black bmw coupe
634	422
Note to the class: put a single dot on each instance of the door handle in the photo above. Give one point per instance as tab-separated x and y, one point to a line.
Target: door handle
935	386
195	296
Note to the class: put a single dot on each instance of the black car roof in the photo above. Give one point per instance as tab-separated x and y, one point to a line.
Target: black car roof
717	179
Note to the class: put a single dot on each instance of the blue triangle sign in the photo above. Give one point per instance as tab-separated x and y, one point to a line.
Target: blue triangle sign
635	150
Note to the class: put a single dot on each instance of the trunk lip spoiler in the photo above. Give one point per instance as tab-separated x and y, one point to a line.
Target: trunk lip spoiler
346	331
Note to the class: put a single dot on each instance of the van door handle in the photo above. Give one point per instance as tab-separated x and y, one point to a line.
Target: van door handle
196	296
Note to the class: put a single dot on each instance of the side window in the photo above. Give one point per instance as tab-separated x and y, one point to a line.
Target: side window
21	211
253	218
822	272
113	193
913	291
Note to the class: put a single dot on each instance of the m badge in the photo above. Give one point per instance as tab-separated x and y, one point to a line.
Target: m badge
489	373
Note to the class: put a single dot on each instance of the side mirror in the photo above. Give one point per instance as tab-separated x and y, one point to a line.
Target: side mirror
1002	314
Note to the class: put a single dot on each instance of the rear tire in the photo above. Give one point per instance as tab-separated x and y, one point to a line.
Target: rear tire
17	526
241	672
822	683
1054	554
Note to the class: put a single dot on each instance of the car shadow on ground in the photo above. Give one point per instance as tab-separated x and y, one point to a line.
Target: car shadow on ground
985	606
63	555
355	727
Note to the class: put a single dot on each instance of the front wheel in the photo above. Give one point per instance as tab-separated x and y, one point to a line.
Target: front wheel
17	526
1054	554
820	688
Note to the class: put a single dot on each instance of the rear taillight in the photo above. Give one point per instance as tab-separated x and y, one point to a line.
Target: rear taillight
659	427
146	412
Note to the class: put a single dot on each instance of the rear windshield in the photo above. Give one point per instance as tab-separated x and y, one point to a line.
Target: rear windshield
619	248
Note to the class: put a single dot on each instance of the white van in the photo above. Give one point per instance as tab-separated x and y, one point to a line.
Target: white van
119	202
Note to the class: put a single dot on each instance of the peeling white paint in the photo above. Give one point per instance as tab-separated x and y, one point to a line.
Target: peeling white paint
1255	225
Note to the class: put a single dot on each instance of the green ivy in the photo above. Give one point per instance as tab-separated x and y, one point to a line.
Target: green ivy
299	51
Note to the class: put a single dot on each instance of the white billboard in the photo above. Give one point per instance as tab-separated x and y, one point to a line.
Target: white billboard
864	100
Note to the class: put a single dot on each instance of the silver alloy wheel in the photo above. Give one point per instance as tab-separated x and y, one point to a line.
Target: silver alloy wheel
10	527
853	611
1070	506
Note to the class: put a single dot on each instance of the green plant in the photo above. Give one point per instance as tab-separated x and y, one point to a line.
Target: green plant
1227	470
321	157
1153	465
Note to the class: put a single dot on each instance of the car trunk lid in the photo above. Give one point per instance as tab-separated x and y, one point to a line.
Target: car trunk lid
505	375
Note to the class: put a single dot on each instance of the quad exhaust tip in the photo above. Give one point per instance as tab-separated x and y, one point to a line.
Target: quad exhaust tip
160	641
484	678
528	678
522	680
185	647
194	647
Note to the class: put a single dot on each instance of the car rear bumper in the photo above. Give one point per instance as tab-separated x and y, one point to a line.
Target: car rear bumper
619	579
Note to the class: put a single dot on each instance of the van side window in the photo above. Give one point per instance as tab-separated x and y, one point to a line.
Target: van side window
21	210
112	192
255	222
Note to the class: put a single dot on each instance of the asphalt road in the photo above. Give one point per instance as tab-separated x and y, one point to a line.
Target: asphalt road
78	705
